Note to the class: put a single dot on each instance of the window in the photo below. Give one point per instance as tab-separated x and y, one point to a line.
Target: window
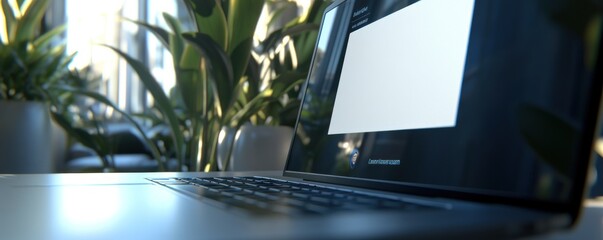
92	24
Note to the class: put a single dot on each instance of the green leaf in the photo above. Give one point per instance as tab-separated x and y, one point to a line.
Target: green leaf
280	86
316	11
82	136
240	58
173	23
29	24
190	58
176	44
160	33
161	100
100	98
10	21
191	82
300	28
96	142
254	77
219	64
210	19
44	40
277	36
270	41
185	68
53	67
250	108
243	18
286	81
304	46
20	4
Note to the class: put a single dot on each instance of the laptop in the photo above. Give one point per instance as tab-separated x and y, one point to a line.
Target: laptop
420	119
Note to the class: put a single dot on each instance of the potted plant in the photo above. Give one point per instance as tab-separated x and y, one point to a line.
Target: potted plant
37	87
29	64
218	82
284	56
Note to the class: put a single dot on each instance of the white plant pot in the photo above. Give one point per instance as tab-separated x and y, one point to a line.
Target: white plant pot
25	138
255	148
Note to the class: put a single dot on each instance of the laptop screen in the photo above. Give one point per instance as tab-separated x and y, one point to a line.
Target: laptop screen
488	96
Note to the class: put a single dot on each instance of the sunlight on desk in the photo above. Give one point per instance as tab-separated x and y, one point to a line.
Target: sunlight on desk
86	212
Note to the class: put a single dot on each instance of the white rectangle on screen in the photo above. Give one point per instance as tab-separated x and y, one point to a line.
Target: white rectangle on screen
405	70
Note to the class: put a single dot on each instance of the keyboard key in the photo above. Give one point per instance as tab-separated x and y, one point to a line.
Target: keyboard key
394	204
244	205
314	208
351	206
285	209
292	202
322	200
300	195
366	200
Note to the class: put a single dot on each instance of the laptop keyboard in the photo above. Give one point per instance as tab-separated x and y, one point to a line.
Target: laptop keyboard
274	196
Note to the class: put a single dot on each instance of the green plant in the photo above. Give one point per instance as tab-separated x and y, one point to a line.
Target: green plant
85	120
285	56
29	63
32	68
217	80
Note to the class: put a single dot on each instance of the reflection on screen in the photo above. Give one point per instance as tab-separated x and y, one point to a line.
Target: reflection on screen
446	93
